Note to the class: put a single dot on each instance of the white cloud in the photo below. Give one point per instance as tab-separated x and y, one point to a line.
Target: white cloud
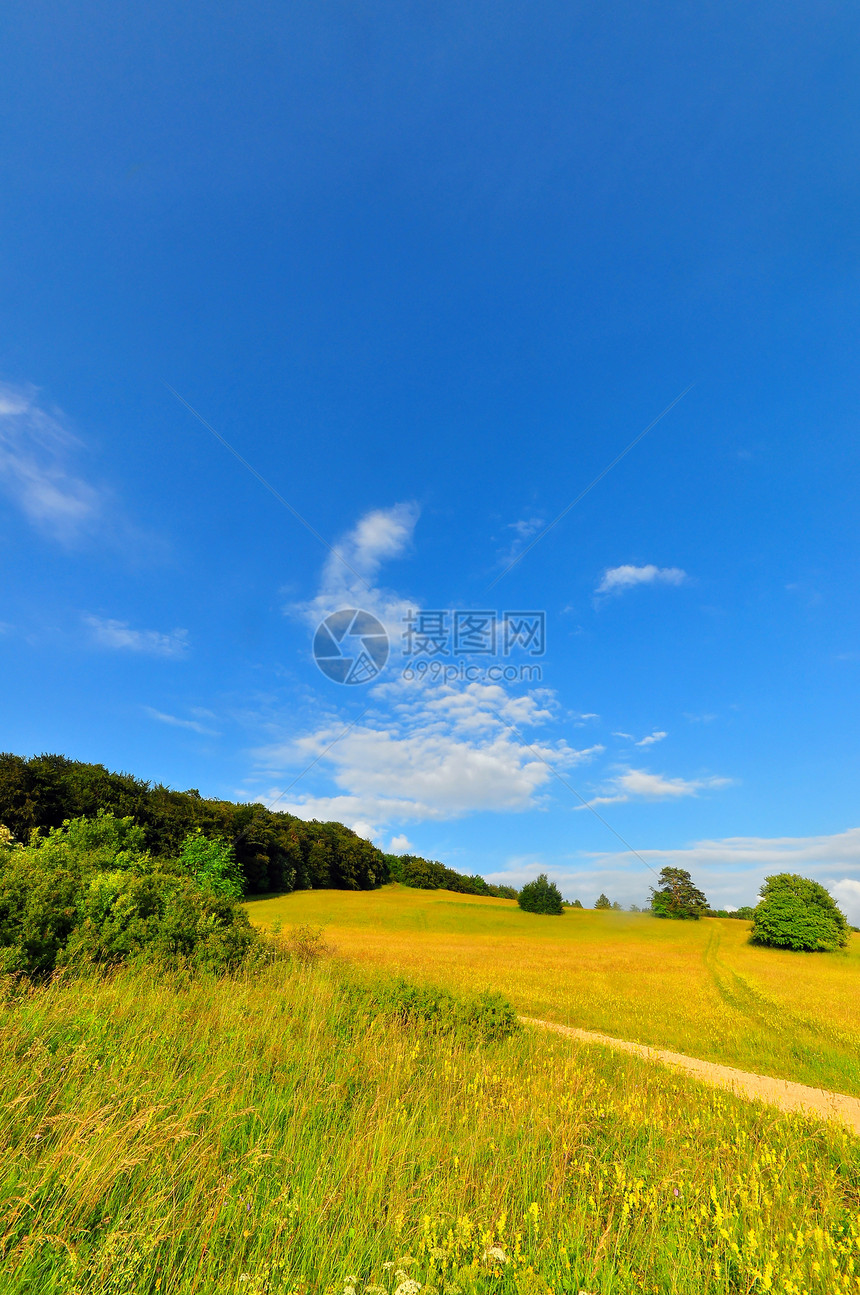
429	749
523	531
35	450
617	579
348	579
639	784
438	753
120	636
194	725
656	736
399	845
847	895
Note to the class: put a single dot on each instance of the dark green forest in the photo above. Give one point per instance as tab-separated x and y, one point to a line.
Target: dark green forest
276	851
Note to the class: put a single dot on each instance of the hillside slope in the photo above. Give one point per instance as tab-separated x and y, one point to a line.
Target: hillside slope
695	987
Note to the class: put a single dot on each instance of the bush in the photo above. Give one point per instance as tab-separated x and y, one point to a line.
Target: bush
796	913
541	896
89	892
487	1016
677	897
212	864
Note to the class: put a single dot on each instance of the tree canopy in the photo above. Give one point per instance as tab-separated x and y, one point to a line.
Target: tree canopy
677	897
796	913
273	851
541	896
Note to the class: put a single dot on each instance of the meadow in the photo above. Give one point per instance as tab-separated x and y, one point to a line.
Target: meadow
255	1134
694	987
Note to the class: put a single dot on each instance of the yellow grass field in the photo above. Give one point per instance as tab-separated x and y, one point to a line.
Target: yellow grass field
695	987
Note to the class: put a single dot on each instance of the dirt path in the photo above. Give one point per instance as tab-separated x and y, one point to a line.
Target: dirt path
783	1093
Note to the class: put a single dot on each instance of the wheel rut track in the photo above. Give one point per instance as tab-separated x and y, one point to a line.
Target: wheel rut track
782	1093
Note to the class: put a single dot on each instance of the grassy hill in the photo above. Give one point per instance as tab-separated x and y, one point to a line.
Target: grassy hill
344	1125
696	987
170	1136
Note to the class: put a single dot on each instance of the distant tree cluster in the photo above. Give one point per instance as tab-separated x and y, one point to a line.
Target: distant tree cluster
424	874
541	896
273	851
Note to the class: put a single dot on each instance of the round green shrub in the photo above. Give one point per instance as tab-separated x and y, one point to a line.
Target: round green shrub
796	913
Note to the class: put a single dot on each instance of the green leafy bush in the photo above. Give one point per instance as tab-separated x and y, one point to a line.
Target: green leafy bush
541	896
796	913
212	864
487	1016
89	892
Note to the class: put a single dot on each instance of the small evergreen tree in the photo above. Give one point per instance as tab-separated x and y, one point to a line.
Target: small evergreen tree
541	896
796	913
677	897
603	902
576	904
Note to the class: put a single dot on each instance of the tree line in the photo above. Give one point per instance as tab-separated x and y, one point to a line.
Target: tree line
274	852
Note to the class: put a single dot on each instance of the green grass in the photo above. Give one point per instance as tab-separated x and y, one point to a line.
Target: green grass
261	1135
695	987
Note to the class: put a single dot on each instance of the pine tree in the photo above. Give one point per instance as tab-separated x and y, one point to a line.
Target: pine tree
677	897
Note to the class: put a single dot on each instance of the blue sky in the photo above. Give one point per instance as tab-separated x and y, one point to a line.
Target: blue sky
429	270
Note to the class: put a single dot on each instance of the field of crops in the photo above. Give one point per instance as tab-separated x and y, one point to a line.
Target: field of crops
695	987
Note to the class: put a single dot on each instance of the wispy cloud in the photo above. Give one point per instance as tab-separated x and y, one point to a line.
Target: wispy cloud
657	736
379	536
616	579
639	784
523	530
120	636
36	452
194	725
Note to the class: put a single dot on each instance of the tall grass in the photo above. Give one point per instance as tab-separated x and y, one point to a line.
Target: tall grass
695	987
261	1134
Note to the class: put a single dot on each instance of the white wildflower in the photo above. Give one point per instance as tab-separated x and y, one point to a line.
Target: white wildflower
408	1287
496	1255
388	1265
